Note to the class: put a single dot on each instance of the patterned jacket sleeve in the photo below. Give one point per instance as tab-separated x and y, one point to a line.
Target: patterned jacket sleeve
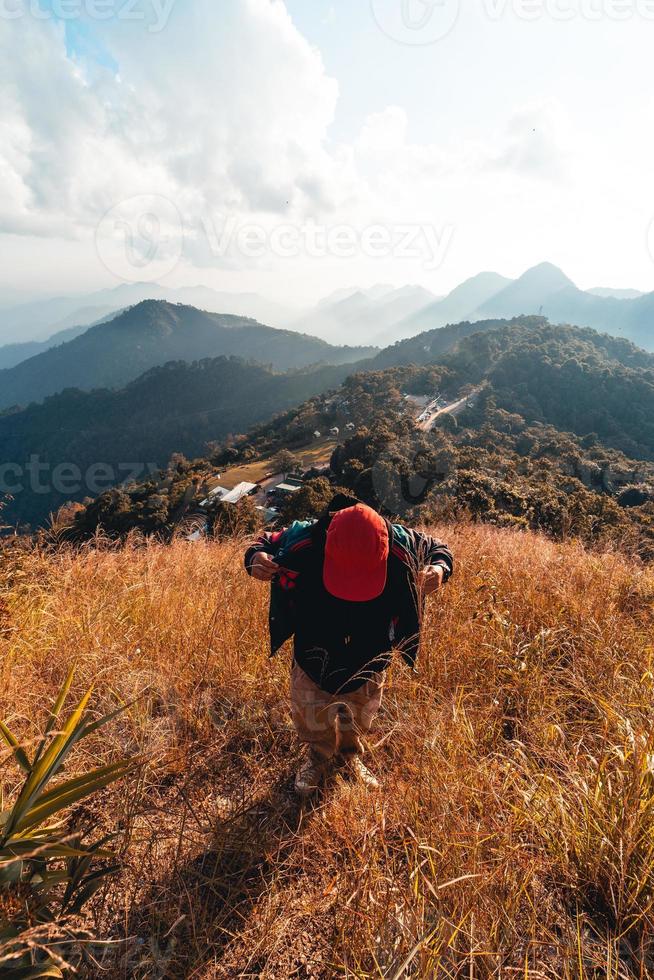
424	549
280	543
267	543
435	552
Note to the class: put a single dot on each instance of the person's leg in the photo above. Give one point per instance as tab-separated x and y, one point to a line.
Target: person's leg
314	718
356	714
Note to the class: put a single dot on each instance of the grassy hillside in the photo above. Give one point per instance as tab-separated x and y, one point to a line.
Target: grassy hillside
152	333
512	837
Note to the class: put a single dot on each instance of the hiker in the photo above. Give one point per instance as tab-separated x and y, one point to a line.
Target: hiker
349	588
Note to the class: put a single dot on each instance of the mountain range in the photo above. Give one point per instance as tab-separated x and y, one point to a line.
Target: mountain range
40	319
182	406
558	435
546	290
383	315
376	316
13	354
373	313
153	332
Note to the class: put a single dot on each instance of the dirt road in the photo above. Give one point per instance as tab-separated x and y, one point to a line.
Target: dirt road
454	408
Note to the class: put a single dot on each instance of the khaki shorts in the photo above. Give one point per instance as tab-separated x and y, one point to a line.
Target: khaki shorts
333	723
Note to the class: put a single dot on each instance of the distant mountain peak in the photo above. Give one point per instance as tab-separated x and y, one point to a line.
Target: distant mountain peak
487	281
546	274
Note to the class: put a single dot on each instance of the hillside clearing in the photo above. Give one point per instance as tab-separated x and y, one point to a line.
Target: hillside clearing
316	454
513	836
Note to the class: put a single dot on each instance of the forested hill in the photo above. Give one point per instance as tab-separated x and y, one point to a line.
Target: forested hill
177	407
153	333
428	347
571	378
557	435
576	380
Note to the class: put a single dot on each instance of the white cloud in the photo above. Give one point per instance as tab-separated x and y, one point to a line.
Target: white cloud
538	142
227	108
228	111
384	133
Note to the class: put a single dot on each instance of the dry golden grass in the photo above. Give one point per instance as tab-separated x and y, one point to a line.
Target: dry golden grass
514	835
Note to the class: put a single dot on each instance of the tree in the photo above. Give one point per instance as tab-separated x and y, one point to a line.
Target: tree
226	458
285	462
230	520
447	422
309	501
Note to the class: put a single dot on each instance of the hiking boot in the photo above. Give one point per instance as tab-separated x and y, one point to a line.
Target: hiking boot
309	775
361	772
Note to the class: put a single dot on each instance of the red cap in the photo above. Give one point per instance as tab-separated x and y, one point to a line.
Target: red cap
356	553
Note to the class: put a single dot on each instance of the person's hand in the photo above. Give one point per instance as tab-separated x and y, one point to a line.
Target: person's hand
430	579
263	568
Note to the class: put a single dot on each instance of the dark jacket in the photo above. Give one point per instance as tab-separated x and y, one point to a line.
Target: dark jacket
300	607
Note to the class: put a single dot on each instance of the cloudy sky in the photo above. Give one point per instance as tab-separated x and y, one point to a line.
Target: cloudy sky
295	147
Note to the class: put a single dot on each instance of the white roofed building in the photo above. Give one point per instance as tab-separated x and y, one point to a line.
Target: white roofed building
217	493
239	491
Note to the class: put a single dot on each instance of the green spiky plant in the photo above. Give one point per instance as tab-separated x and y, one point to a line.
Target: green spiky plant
47	871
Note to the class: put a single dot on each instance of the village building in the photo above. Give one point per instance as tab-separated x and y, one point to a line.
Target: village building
239	491
217	493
